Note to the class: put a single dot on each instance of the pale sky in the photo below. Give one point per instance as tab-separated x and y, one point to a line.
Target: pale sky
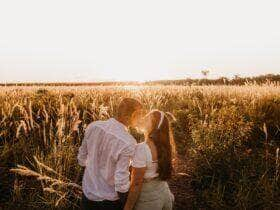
64	40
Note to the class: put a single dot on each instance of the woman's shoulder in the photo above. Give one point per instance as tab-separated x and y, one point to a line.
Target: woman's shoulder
141	146
140	158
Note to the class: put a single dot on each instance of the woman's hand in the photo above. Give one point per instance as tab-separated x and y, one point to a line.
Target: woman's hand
76	122
75	128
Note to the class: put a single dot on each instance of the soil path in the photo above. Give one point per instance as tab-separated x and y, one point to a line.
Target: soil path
180	185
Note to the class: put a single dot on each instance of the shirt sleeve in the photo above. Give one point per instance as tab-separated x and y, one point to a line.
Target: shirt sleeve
122	182
82	154
139	159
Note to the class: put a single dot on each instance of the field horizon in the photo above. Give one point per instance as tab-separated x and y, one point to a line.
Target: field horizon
237	80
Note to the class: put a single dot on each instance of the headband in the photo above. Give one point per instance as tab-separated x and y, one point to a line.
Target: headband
161	119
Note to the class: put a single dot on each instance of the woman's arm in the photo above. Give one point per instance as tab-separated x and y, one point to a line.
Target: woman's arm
75	129
137	177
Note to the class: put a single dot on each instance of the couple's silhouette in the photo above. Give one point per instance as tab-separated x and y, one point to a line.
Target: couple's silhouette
121	174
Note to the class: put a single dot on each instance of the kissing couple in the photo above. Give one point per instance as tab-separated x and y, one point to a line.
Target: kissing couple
121	174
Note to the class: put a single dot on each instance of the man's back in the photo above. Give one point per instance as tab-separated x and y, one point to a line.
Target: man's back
105	152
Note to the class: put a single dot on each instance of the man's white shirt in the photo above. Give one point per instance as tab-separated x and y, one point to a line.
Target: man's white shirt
106	151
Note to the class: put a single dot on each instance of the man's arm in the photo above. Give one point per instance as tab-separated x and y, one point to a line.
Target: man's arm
122	182
82	155
83	150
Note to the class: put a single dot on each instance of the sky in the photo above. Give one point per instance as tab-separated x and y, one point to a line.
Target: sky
75	41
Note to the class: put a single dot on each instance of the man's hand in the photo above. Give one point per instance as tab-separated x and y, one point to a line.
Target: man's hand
123	198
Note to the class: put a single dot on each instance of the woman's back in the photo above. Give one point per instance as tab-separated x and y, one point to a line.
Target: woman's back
155	194
152	166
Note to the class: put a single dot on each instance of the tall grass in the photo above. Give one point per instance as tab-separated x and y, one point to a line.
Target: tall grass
230	134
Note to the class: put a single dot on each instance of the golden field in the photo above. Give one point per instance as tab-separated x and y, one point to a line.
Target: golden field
227	140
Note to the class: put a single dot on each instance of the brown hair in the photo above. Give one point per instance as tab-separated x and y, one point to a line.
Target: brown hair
163	140
127	107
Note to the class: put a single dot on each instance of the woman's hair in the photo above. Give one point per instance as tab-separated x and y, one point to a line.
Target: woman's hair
162	137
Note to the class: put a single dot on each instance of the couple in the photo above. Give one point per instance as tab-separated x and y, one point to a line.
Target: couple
108	151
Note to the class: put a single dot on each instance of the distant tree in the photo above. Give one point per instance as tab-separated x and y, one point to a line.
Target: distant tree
221	80
205	72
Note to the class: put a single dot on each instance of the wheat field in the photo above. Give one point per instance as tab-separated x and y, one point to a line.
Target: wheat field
227	141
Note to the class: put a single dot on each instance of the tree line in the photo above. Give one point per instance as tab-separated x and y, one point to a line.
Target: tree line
237	80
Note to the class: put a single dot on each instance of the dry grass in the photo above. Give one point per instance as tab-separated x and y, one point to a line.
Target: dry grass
229	134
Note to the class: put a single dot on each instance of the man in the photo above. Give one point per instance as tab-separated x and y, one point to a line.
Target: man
105	153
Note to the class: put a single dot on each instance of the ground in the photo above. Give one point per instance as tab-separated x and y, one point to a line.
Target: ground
180	184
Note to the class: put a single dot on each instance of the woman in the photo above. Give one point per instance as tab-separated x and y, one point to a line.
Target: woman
152	166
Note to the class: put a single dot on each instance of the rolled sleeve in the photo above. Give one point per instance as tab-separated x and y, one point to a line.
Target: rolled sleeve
83	150
122	182
82	155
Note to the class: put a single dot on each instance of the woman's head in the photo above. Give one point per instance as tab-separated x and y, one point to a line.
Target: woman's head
157	129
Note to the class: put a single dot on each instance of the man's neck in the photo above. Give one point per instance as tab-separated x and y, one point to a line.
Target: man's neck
122	121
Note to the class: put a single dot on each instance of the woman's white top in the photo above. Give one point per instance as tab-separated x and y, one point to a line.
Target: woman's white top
143	158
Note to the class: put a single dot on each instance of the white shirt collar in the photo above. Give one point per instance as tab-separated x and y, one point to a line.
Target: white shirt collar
118	122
